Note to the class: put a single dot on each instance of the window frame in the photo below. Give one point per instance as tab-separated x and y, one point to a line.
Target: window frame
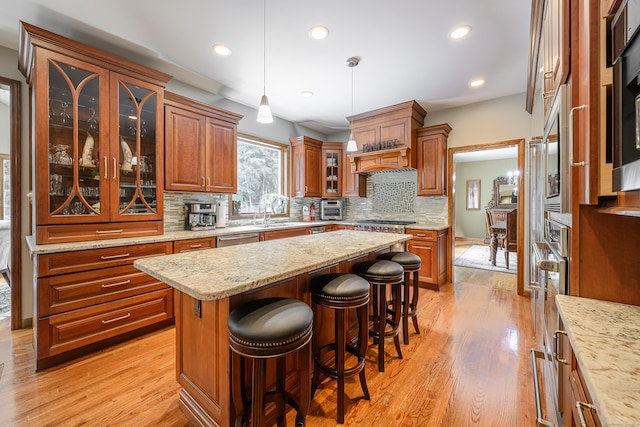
285	151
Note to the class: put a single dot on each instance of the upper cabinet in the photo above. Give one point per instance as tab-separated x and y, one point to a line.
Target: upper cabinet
332	169
555	50
201	147
98	140
307	162
431	158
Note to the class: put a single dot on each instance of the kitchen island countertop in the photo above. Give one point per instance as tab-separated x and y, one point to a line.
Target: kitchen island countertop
213	274
605	337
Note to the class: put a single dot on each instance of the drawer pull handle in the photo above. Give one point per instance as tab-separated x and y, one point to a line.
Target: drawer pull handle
555	350
579	405
111	285
106	257
106	167
115	168
120	230
195	246
115	319
203	178
421	235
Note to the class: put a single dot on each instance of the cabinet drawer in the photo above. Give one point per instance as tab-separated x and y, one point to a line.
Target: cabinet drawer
68	331
83	232
429	235
66	292
92	259
281	234
193	244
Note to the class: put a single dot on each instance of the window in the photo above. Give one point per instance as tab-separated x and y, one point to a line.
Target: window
263	171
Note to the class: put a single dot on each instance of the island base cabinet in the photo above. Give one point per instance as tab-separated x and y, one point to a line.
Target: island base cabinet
203	360
430	246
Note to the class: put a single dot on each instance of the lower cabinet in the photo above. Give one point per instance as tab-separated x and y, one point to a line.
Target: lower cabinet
281	234
94	298
431	247
576	403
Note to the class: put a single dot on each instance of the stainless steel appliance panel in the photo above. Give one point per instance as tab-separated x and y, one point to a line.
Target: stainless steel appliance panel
236	239
331	210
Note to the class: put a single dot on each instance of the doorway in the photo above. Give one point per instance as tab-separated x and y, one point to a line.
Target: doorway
10	210
475	202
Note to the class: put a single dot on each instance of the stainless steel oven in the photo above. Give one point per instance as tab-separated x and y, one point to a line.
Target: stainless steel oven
549	278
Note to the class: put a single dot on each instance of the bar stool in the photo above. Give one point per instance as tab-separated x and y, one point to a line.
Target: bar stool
341	292
411	264
379	274
260	330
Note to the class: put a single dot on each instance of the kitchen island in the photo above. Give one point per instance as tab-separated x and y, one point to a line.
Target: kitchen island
213	282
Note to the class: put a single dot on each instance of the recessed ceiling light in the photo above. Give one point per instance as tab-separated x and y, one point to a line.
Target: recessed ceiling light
306	93
319	32
221	49
476	83
460	32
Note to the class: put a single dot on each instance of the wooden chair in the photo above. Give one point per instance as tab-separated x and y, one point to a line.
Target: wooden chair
489	222
510	243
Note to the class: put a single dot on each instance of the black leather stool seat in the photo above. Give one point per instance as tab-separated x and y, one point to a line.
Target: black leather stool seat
405	259
411	264
379	270
341	292
270	323
262	329
340	286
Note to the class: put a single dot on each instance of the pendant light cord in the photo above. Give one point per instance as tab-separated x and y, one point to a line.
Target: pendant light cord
264	47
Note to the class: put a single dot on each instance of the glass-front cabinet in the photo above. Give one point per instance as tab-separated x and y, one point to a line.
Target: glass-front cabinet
99	129
332	169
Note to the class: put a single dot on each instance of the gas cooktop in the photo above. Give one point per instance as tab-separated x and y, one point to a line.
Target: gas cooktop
384	221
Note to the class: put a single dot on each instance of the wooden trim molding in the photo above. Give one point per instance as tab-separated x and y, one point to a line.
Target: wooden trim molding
15	268
537	9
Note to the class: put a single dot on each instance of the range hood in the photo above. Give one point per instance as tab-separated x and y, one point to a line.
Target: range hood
386	138
382	160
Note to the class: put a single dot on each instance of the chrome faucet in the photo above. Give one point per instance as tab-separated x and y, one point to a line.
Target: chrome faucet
267	217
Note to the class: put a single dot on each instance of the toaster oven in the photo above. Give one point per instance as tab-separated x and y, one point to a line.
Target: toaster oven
331	210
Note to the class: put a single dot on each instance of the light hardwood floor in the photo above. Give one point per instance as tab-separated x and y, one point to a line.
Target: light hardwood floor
470	366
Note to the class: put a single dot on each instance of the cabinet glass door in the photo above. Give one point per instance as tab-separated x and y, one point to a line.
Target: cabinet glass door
332	177
136	158
75	128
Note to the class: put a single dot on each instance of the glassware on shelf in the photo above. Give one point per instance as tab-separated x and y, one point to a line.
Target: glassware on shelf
91	121
61	155
65	118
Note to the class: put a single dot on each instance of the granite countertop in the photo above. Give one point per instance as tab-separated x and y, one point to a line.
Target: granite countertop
605	337
170	236
212	274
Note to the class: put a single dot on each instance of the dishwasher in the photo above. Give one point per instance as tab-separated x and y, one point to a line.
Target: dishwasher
237	239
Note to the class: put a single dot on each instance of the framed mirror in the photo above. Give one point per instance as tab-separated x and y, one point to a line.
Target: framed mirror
505	194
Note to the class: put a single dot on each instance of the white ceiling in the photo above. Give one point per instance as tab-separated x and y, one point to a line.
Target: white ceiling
404	47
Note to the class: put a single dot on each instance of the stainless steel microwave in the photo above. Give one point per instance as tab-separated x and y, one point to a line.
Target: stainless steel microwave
557	152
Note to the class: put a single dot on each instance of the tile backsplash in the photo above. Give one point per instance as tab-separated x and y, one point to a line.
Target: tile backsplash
390	196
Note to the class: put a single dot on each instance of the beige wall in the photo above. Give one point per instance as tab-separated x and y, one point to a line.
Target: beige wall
495	120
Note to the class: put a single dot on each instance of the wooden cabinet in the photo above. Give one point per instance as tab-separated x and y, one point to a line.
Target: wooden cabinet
386	137
431	160
574	389
194	244
201	147
89	299
281	234
353	184
431	247
307	161
332	166
555	50
98	140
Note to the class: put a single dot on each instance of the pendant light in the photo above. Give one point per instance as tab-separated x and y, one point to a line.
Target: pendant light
264	111
352	146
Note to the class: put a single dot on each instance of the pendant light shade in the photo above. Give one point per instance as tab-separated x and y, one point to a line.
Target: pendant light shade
264	111
352	146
